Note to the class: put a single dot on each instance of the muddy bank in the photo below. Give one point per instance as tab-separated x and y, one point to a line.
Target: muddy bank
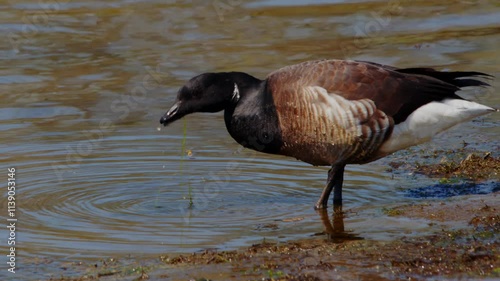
454	165
475	166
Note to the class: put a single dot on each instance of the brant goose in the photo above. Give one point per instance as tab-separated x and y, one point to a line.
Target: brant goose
332	112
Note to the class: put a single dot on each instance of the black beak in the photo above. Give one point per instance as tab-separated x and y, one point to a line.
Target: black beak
171	115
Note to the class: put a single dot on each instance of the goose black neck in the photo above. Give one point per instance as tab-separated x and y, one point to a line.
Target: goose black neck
244	81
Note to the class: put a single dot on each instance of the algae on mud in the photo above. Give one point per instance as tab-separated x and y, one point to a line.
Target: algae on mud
474	167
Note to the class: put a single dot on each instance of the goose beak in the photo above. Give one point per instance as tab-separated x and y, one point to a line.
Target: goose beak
171	115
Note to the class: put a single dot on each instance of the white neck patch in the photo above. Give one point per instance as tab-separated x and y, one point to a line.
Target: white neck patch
236	94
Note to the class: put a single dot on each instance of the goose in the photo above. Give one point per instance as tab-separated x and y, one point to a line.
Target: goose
332	112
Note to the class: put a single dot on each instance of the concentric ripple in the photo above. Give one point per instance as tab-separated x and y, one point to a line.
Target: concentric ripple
121	199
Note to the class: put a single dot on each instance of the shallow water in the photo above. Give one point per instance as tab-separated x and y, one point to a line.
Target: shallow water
84	84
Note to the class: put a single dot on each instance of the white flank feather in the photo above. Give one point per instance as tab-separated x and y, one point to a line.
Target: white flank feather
431	119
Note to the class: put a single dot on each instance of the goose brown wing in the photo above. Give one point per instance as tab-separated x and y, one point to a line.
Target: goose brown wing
396	92
348	106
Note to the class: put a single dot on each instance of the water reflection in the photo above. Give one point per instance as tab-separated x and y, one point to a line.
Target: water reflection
334	227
